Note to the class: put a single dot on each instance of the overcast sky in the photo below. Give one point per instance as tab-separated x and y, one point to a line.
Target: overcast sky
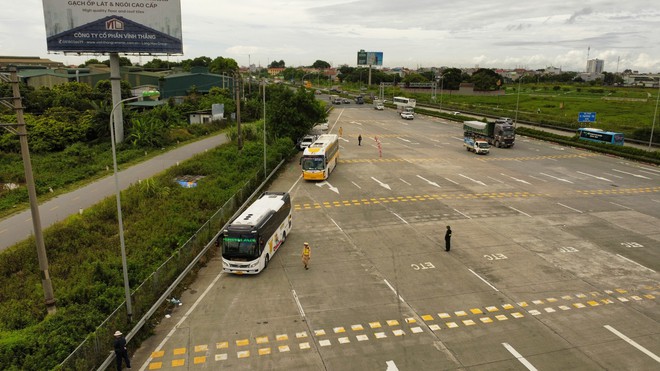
532	34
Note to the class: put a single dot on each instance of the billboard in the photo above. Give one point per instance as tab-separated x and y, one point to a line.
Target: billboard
93	26
370	58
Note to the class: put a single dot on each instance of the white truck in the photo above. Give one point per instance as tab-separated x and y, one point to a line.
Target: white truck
478	146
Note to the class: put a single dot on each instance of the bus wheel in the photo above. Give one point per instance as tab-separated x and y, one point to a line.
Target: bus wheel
266	262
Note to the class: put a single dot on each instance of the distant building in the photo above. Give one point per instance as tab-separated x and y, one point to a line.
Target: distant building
595	66
12	61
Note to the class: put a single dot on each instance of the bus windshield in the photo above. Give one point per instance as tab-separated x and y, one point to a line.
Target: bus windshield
313	163
242	246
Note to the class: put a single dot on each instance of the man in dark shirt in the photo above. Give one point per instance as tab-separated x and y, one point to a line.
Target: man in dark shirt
121	354
448	239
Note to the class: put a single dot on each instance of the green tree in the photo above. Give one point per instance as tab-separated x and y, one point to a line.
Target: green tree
485	79
451	78
226	65
276	64
291	113
321	64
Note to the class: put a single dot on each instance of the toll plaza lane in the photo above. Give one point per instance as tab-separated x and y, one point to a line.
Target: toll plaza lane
542	274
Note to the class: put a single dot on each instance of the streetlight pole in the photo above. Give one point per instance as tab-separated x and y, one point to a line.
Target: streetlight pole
127	289
655	114
442	81
264	98
515	121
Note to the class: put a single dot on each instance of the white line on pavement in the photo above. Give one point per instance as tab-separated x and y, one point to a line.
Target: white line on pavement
519	357
403	220
568	207
300	309
513	208
391	366
404	181
633	343
625	207
395	293
634	262
462	214
451	181
355	184
486	282
635	175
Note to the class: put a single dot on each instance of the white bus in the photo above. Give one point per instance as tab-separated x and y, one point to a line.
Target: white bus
252	238
320	158
404	102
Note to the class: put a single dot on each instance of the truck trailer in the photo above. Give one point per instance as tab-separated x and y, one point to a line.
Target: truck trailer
499	133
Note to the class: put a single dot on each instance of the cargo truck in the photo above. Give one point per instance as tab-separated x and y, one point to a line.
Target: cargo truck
499	133
477	146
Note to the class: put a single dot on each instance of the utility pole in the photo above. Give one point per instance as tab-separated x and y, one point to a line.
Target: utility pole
21	130
237	87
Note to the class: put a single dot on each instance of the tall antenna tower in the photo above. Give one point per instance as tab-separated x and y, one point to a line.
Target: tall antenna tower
588	50
617	64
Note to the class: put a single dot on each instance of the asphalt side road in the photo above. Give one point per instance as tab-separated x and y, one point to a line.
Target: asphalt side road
19	226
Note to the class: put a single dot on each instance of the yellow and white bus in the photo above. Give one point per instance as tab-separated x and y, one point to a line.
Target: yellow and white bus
320	158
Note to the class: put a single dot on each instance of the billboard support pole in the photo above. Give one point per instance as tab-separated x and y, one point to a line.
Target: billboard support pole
115	85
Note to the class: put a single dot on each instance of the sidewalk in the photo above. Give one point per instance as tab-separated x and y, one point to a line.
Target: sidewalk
18	227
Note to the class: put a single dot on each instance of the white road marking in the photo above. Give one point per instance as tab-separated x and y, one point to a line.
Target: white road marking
634	262
324	183
497	180
428	181
28	220
451	181
296	182
300	308
625	207
593	176
404	181
633	343
183	319
457	138
338	227
513	208
3	231
53	208
516	179
344	139
395	292
519	357
568	207
627	173
554	177
612	175
355	184
462	214
476	181
403	220
403	139
647	172
391	366
486	282
384	185
650	169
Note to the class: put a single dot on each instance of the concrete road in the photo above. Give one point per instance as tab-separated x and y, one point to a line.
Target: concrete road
554	263
18	227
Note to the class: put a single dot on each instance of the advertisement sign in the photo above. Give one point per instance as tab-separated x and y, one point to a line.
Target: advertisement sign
369	58
587	117
97	26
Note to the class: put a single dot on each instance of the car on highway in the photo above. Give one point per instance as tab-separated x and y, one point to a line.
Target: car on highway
306	141
407	115
322	126
346	101
379	106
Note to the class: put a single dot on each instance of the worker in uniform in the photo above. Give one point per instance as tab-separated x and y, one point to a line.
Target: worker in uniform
306	255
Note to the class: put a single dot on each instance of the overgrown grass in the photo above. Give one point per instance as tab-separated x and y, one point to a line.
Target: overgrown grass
83	252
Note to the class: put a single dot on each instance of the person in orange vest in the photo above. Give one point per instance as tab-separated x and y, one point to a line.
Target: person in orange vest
306	255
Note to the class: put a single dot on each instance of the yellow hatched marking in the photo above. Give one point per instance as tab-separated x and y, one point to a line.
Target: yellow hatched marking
374	324
283	348
262	339
501	317
486	319
198	360
243	354
179	351
517	315
158	354
551	300
264	351
357	327
567	297
178	362
155	365
338	330
468	322
579	305
304	346
282	337
398	332
537	302
410	320
222	345
319	332
392	322
427	317
460	313
451	324
635	297
593	303
523	304
492	309
380	335
201	348
300	335
581	296
242	343
476	311
649	296
606	301
444	315
221	357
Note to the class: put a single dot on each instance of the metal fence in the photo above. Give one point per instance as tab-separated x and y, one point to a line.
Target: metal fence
95	351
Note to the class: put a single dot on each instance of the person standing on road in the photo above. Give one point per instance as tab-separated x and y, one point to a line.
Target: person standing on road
448	239
306	255
359	139
121	353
